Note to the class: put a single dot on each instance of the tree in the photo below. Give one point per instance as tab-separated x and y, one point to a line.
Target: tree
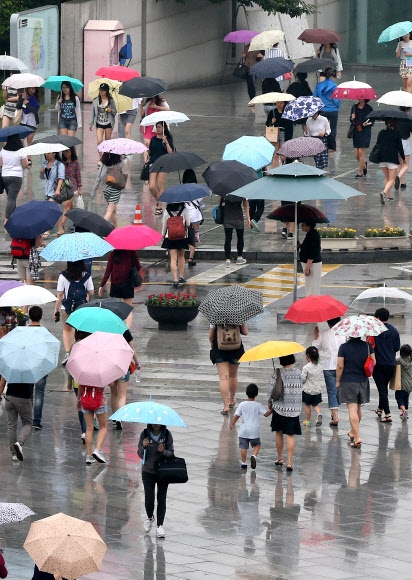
291	7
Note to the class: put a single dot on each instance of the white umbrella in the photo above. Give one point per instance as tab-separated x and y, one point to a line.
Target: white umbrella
26	295
359	326
396	98
23	81
266	39
14	512
43	148
396	301
164	116
269	98
8	62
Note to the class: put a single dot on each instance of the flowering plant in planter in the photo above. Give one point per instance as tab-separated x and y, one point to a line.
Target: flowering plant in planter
170	299
336	233
19	312
385	232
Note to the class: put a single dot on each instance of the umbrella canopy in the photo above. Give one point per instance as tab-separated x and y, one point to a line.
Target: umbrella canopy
55	83
177	161
8	285
32	219
66	140
358	326
144	87
96	320
65	545
270	68
14	512
99	359
302	108
90	221
271	98
232	305
184	192
117	73
19	130
223	177
266	39
286	213
122	103
149	412
115	305
26	295
8	62
395	31
28	353
43	148
396	98
354	91
315	309
164	117
313	64
23	80
121	146
302	147
74	247
382	114
271	349
396	301
240	36
133	237
255	152
296	169
319	35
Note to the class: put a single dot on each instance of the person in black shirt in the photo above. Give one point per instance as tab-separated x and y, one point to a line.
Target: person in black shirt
311	259
390	150
18	404
285	127
160	144
404	126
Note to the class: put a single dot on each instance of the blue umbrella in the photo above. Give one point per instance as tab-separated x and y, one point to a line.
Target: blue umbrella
395	31
302	108
73	247
148	412
27	354
184	192
255	152
32	219
55	83
271	68
19	130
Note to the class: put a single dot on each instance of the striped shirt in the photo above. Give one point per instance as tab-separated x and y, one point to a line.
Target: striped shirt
275	53
291	404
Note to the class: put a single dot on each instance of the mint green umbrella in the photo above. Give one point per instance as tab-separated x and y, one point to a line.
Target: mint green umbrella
96	320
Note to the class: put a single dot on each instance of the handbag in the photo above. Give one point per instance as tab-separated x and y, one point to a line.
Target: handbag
80	202
18	114
135	277
351	131
331	142
395	382
375	154
115	177
242	70
171	470
272	134
219	213
369	364
144	175
278	388
66	191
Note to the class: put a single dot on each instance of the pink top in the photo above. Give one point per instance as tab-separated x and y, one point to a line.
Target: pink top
148	131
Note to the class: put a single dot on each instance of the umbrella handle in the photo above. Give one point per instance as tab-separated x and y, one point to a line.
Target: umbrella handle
144	457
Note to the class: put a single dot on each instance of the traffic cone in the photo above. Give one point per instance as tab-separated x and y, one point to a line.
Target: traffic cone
137	216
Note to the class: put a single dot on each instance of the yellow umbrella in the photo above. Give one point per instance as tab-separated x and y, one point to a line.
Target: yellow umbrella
269	98
266	39
122	103
271	349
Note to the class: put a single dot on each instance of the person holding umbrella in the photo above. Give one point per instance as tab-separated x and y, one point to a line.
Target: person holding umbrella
53	173
103	114
176	242
362	133
330	51
310	257
318	126
10	98
276	119
160	144
404	126
404	51
12	163
30	118
148	107
110	193
324	90
390	152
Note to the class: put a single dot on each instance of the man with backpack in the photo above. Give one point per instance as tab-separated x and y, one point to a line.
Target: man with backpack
176	221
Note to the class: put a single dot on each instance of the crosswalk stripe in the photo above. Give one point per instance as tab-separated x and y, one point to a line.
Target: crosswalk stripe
215	273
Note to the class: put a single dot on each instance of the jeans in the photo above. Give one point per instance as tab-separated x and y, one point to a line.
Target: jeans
38	400
82	420
149	484
382	374
228	242
330	381
251	89
256	209
12	186
15	407
332	117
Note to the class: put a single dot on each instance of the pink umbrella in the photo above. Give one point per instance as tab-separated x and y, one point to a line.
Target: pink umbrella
354	91
240	36
117	73
133	237
121	146
99	359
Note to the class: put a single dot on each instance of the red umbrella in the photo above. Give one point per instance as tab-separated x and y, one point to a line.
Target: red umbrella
117	73
354	91
315	309
133	237
286	213
321	35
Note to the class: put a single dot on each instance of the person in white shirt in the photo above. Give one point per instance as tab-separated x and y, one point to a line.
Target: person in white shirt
328	344
12	163
318	126
276	52
312	379
404	51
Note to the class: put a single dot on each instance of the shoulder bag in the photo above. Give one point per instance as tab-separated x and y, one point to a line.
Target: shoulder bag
66	191
144	175
135	278
331	142
395	382
219	214
242	70
171	470
369	363
375	154
115	178
278	388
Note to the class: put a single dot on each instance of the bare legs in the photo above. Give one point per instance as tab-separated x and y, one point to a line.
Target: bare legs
118	391
360	157
177	264
67	205
404	168
111	215
102	134
157	186
227	383
68	337
102	420
389	175
290	447
355	416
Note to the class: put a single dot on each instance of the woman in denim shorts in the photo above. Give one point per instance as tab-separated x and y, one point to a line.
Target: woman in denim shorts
68	107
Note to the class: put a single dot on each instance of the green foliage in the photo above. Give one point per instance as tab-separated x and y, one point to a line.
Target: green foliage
291	7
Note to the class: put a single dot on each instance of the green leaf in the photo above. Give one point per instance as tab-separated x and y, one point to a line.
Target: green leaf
291	7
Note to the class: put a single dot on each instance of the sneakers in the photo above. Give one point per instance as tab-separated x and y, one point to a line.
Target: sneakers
83	438
397	182
90	460
119	426
175	284
38	426
390	199
148	524
358	176
254	226
99	456
291	236
160	533
182	280
365	169
253	462
241	261
15	458
306	423
403	185
382	197
19	451
404	416
227	263
284	233
319	420
243	466
66	358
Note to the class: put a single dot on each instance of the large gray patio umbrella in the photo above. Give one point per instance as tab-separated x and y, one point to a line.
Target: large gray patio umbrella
295	182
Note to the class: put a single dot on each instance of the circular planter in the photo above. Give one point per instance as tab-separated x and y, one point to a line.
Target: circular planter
385	243
171	317
337	244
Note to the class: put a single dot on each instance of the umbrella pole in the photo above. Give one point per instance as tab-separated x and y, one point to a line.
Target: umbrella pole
295	257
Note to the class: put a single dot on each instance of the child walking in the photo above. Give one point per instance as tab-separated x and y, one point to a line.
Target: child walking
250	411
312	379
402	396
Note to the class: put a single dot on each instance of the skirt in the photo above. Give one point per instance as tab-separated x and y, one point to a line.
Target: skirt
288	425
175	244
111	194
405	71
123	290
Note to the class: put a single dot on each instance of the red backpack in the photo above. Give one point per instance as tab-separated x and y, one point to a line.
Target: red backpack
20	247
176	228
92	397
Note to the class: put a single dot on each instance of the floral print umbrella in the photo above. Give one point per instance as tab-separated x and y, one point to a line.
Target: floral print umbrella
359	326
302	108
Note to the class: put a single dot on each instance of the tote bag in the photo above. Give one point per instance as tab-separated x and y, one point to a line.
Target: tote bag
241	71
395	382
272	134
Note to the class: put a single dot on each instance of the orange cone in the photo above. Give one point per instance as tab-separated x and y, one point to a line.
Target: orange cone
137	216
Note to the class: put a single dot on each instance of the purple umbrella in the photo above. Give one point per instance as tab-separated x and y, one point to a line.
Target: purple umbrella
302	147
8	285
240	36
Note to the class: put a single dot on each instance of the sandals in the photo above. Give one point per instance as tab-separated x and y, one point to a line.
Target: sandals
279	463
223	412
355	444
289	467
191	262
386	419
378	412
231	405
158	211
334	423
351	437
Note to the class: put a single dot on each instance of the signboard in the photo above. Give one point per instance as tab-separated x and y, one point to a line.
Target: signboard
34	39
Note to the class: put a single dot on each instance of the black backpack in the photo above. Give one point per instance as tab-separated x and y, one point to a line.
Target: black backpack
76	295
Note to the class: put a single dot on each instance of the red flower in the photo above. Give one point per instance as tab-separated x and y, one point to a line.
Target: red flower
168	296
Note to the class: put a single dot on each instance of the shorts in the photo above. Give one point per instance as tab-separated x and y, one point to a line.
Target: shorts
311	399
402	398
99	411
126	377
354	392
407	149
405	71
175	244
98	126
32	127
128	116
64	315
23	268
388	165
244	442
69	124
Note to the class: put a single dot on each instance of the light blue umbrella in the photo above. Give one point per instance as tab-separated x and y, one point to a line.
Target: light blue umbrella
395	31
55	83
148	412
73	247
27	354
255	152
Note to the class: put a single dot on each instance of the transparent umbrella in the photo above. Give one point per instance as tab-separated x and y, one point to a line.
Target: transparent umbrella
396	301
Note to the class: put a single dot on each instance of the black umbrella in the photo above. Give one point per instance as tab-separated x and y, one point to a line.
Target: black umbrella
382	114
271	68
314	64
223	177
90	222
177	161
286	213
121	309
142	87
66	140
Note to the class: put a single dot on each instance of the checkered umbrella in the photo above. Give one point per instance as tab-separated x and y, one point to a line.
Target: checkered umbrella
302	147
302	108
14	512
232	305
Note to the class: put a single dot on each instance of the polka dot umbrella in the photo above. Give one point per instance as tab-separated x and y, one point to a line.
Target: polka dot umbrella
232	305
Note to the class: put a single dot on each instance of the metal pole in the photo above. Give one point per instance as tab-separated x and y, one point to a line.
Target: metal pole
234	19
295	257
143	39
